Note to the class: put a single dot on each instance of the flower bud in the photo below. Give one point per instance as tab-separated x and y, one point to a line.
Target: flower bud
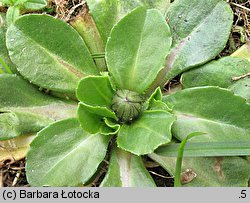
127	105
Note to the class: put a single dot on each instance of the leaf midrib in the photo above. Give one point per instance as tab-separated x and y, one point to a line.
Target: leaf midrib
42	109
75	148
125	168
108	100
134	65
68	66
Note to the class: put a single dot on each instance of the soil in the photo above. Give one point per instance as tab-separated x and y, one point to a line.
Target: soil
13	175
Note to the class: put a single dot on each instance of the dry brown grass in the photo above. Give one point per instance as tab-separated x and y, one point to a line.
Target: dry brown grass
67	9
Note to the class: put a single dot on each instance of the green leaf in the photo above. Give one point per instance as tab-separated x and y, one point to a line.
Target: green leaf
92	119
209	172
137	48
241	87
217	73
149	131
63	56
107	13
63	154
212	110
24	109
221	73
95	91
126	170
155	101
6	2
161	5
112	124
14	124
207	149
27	96
17	92
200	31
34	4
124	6
156	95
5	63
12	14
28	4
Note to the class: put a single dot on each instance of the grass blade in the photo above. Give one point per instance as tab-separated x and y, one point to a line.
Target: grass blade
207	149
7	68
177	179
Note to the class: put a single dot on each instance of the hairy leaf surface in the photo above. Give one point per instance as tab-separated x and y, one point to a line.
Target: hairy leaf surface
24	109
107	13
49	59
4	57
221	73
215	111
200	31
63	154
149	131
137	48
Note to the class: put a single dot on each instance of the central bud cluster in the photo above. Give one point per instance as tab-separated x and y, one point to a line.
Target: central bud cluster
127	105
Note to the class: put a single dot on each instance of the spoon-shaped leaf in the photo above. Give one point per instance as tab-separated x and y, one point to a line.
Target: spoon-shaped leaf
24	109
92	119
95	94
63	154
49	53
12	14
215	111
126	170
107	13
200	31
221	73
34	4
95	91
149	131
137	48
217	73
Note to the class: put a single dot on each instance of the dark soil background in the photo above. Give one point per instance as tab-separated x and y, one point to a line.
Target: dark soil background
13	175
